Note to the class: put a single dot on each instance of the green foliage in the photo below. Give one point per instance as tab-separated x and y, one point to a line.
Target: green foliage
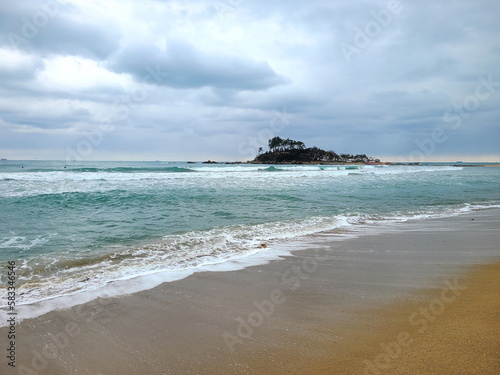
290	151
278	144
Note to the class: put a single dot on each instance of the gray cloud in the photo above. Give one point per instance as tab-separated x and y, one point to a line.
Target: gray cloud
183	66
219	74
47	120
22	72
49	27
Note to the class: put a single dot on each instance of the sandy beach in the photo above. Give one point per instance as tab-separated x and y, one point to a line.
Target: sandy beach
415	298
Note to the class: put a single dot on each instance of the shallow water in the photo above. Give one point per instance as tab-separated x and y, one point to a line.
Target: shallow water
77	226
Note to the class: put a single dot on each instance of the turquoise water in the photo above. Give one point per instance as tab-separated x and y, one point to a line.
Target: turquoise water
77	226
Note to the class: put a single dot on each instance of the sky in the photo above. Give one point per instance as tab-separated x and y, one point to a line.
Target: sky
196	80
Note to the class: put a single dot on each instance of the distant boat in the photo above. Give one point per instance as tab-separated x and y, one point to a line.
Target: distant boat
3	159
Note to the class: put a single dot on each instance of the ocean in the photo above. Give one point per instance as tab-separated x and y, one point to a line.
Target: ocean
74	227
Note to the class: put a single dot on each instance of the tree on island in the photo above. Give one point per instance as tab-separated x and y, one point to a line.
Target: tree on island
278	144
291	151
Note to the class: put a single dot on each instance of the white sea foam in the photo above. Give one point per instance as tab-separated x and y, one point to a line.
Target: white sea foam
57	182
178	256
173	253
23	243
52	282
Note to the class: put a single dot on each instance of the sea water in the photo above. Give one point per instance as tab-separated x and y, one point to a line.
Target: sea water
76	227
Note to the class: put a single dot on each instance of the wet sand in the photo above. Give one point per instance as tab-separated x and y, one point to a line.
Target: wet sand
414	298
457	332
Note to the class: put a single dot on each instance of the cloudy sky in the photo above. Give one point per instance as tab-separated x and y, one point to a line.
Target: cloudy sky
197	80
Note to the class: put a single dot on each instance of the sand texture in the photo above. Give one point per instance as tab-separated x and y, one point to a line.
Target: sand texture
416	298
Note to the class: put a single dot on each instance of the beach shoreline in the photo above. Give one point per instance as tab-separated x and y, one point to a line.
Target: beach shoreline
300	314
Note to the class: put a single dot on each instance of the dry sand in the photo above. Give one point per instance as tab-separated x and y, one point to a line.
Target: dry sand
418	298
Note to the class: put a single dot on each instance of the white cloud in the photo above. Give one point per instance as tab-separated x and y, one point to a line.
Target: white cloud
229	67
74	73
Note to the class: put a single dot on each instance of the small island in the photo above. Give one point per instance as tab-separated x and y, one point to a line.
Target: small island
288	151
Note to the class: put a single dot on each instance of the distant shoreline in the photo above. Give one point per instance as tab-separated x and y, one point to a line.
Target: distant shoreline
395	163
361	163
